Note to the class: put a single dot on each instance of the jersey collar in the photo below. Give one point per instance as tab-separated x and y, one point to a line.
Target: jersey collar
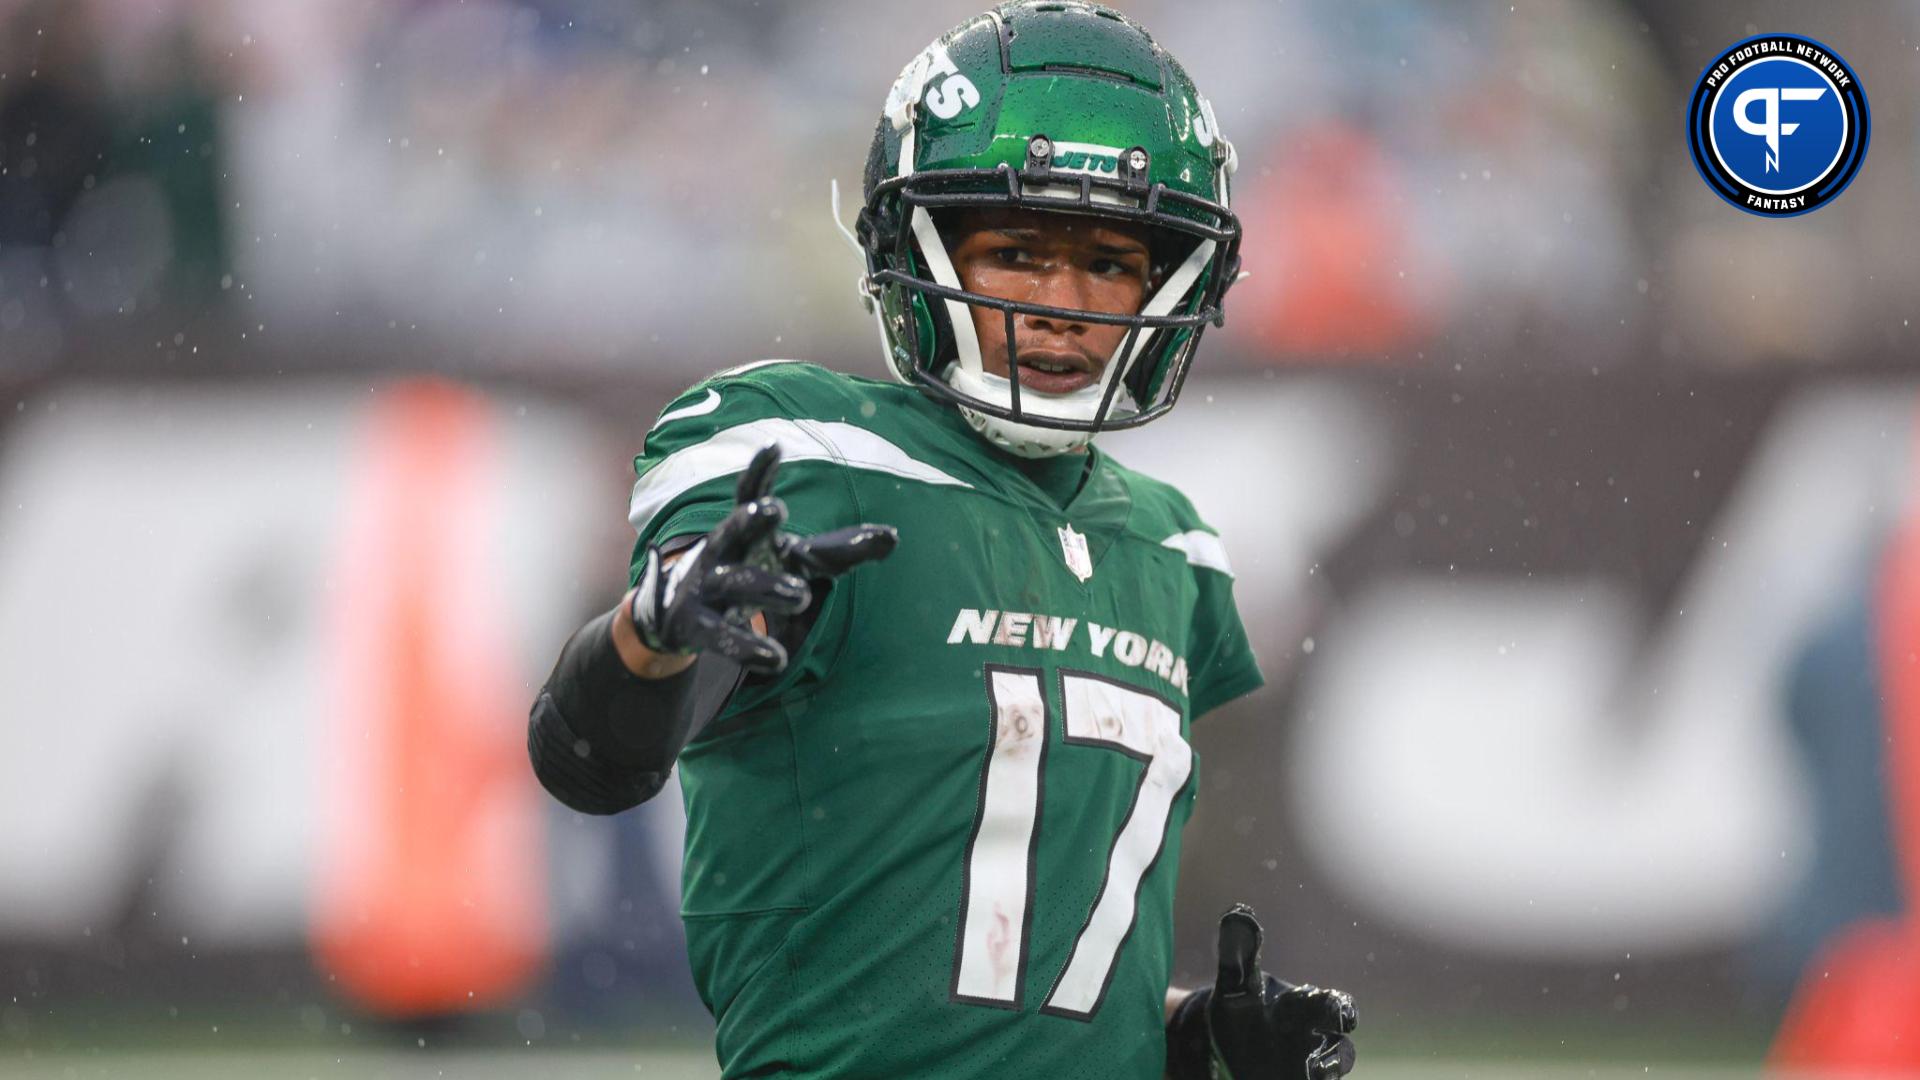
1099	510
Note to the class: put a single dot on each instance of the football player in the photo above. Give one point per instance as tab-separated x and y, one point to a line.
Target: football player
936	771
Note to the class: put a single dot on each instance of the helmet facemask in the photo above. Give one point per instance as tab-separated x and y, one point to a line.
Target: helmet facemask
1138	383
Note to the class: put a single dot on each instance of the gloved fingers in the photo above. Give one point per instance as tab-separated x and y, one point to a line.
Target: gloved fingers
755	652
1333	1060
1239	953
1312	1008
738	585
747	526
831	554
647	589
645	609
757	481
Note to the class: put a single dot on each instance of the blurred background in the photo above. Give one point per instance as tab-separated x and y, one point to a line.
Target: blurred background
1573	511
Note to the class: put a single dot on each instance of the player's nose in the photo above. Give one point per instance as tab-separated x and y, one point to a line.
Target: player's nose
1067	288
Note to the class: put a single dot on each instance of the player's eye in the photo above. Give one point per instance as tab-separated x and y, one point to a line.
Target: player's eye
1011	256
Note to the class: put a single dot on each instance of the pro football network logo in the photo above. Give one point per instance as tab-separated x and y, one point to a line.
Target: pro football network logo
1778	125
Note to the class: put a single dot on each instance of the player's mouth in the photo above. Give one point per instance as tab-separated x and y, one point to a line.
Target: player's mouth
1055	372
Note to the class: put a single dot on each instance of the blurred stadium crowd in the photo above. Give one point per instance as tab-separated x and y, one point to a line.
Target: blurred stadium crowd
1579	563
538	185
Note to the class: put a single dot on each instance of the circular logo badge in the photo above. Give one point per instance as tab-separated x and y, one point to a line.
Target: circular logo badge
1778	125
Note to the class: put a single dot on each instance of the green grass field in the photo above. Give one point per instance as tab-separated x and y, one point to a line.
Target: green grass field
268	1040
691	1063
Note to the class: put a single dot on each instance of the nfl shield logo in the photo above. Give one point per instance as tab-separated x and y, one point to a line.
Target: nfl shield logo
1074	546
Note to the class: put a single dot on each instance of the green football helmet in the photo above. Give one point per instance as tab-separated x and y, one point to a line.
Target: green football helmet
1065	107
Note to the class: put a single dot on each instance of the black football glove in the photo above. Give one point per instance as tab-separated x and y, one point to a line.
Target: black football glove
1251	1026
706	599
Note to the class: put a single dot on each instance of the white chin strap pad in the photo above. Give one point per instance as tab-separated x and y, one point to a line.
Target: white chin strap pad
1026	440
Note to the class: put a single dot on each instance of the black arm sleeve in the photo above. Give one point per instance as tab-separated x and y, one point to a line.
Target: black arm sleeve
603	739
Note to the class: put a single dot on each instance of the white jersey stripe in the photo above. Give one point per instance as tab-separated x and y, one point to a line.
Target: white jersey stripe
754	365
1201	548
730	449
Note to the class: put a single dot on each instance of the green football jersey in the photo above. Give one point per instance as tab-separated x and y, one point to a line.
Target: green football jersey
943	842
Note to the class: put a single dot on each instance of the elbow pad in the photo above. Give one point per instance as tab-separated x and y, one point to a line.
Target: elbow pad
601	738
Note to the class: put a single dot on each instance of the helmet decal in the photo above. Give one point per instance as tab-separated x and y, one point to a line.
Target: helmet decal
1205	127
933	77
